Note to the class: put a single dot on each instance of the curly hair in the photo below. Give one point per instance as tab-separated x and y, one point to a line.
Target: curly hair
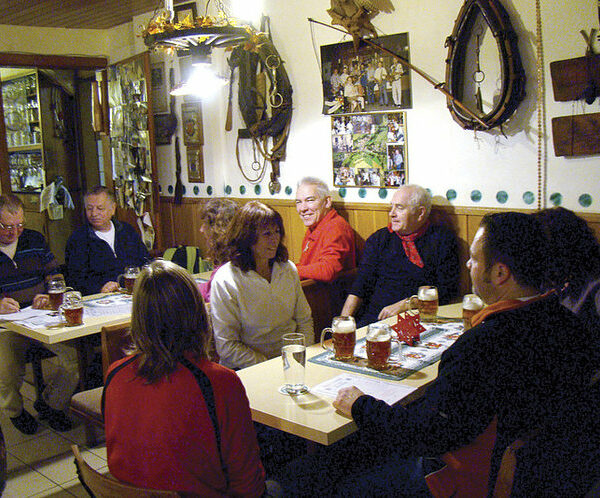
168	319
216	216
243	234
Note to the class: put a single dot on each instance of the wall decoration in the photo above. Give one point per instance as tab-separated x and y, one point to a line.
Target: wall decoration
191	117
158	83
184	11
369	150
366	80
195	162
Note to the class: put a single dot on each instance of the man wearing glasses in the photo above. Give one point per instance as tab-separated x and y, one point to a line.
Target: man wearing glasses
25	262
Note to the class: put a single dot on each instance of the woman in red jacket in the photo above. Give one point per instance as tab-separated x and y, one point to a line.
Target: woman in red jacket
175	420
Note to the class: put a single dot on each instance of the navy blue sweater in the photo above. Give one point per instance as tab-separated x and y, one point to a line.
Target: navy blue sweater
386	276
91	262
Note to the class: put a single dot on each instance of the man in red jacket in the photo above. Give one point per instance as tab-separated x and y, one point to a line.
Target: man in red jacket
328	246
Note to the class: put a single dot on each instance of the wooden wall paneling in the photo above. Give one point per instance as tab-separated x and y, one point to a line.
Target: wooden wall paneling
186	230
166	218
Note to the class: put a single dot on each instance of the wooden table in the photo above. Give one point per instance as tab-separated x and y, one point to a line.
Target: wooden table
311	416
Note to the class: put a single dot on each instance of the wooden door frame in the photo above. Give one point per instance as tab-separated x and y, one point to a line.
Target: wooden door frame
40	61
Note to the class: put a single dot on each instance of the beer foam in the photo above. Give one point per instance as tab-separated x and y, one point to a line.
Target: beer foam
378	333
472	302
344	328
428	294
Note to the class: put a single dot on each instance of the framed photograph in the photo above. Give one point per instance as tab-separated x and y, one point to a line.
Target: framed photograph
184	10
158	84
191	117
369	150
195	162
368	80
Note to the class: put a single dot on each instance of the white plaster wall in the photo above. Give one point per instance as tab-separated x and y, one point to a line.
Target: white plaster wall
441	155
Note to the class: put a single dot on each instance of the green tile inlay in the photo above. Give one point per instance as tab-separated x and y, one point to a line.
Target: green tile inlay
209	190
362	193
196	190
242	189
288	190
170	189
227	189
257	189
501	196
475	195
382	193
451	194
528	197
556	198
342	191
585	200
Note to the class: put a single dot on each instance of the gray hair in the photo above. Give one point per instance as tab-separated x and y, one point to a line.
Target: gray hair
420	197
11	203
100	189
321	186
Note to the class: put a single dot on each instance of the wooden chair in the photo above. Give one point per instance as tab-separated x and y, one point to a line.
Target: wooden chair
87	404
106	486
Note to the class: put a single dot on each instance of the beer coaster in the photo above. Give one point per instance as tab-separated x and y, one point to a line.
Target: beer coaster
285	393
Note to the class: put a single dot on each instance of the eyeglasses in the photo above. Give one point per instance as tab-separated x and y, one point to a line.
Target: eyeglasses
18	226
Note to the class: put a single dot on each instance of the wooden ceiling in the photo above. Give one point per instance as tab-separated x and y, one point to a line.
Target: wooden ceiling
84	14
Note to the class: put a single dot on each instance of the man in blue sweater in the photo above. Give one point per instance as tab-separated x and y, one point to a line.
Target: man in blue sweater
98	252
408	253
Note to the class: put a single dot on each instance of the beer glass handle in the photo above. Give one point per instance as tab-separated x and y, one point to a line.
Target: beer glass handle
413	302
325	331
122	276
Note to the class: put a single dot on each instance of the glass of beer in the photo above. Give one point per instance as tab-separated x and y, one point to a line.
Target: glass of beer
293	354
127	279
343	332
72	308
56	289
428	302
379	345
471	305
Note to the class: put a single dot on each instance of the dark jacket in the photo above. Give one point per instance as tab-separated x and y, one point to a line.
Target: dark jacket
23	277
530	367
386	275
91	262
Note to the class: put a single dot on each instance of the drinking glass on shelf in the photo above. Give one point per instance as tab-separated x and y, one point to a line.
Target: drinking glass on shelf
428	302
293	354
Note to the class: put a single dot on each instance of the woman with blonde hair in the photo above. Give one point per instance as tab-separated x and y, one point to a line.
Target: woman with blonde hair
215	219
256	297
173	419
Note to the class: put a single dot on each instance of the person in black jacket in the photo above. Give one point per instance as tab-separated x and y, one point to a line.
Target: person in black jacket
98	252
527	367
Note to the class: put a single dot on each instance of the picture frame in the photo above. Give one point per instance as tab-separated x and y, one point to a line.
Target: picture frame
369	150
184	10
367	80
195	164
191	120
158	84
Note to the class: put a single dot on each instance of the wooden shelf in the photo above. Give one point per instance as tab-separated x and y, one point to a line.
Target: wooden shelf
26	148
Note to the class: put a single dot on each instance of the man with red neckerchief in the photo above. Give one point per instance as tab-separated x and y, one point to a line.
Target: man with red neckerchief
528	366
398	259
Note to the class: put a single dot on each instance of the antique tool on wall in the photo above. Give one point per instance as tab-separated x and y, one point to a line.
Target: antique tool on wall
166	124
229	117
178	183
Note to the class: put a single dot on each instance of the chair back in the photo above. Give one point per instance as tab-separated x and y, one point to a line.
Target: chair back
103	486
188	257
115	340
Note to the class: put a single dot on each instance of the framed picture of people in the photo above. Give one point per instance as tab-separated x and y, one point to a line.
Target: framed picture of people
367	80
195	163
369	150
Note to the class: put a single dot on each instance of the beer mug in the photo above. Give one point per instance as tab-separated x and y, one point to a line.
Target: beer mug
379	345
471	305
128	278
56	290
428	301
343	333
72	308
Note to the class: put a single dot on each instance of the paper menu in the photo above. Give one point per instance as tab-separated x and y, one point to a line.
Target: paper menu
385	391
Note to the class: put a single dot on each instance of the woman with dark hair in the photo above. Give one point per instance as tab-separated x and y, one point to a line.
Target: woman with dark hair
256	297
575	263
173	419
215	219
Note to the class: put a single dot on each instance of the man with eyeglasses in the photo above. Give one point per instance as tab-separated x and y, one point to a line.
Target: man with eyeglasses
25	262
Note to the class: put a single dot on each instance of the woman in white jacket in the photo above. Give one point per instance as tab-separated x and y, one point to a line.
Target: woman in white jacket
256	297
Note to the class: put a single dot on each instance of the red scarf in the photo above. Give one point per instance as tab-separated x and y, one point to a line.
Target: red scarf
408	243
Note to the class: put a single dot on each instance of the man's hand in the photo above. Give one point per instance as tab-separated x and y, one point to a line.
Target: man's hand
9	305
40	301
394	309
346	398
109	287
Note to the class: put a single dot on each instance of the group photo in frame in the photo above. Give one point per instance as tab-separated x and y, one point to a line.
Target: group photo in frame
369	150
367	80
195	163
